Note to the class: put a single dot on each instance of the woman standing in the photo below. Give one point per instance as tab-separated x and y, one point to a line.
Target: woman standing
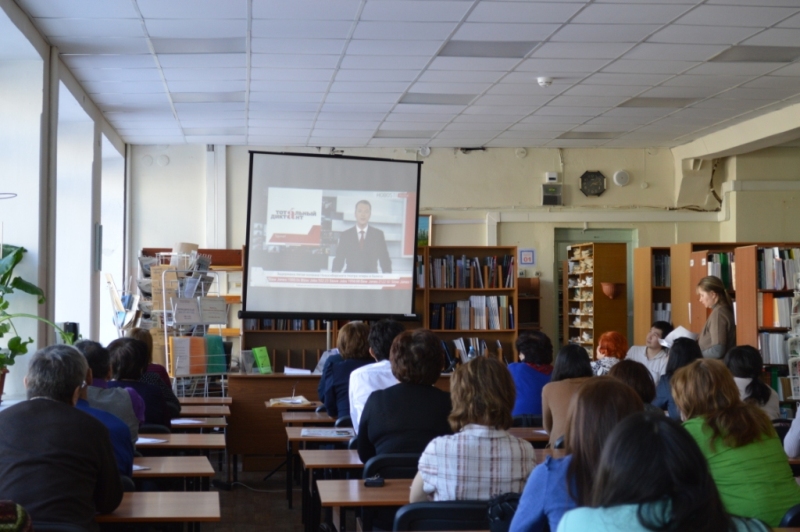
719	333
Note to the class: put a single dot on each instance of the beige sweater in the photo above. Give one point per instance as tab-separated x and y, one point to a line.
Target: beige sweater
556	397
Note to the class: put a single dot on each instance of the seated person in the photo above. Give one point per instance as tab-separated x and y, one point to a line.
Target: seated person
405	417
481	459
128	362
118	432
532	372
354	349
653	355
611	348
14	518
746	365
56	461
125	403
652	476
377	376
156	374
572	368
743	451
683	352
560	484
325	367
636	375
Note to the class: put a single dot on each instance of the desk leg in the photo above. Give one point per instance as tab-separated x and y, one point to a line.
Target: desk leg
289	469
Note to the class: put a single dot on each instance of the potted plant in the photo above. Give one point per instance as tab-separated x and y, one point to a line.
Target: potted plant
15	344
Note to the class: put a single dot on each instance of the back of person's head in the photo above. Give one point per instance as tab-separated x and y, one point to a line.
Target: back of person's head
381	336
664	326
482	392
612	344
55	372
715	285
650	458
600	404
353	340
744	361
572	362
683	352
417	357
705	388
96	356
128	358
535	348
144	336
637	376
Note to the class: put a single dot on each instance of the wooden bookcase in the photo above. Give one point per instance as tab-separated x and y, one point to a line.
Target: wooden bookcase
529	312
588	311
646	291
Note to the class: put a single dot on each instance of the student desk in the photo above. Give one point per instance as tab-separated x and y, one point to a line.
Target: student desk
293	434
205	400
198	423
185	441
322	459
307	418
531	434
165	507
174	466
205	410
341	494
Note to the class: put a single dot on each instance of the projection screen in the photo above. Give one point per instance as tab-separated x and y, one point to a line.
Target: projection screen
330	236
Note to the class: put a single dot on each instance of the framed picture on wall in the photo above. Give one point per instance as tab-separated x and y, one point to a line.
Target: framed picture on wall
425	230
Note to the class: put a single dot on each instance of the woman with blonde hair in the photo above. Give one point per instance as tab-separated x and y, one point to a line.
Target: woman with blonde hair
719	333
481	460
743	451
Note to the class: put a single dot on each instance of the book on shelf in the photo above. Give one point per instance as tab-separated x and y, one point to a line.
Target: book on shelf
662	312
773	347
776	267
773	310
461	272
661	270
720	265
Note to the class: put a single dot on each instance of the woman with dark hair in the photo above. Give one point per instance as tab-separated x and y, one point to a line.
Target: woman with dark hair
683	352
481	459
637	376
572	368
746	364
532	372
353	345
405	417
128	363
611	348
743	451
652	476
719	333
156	374
560	484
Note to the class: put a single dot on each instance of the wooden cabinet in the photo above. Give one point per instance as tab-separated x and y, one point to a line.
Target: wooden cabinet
595	295
651	287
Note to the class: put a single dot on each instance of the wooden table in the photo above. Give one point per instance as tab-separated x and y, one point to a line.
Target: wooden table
315	460
165	507
205	400
205	410
294	434
185	441
174	466
201	423
307	418
531	434
340	494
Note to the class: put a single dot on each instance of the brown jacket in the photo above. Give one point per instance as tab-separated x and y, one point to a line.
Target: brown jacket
556	397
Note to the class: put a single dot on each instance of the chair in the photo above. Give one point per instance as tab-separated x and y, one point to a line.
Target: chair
343	421
353	443
443	515
127	483
389	465
791	517
527	420
782	427
43	526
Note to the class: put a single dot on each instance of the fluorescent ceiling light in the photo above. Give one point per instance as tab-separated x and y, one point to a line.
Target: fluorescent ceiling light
671	103
510	49
231	45
588	135
394	134
437	99
202	97
758	54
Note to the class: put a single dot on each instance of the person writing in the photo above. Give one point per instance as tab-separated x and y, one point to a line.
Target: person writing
362	247
719	333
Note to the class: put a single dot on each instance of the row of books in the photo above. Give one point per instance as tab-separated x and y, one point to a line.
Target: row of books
282	325
722	265
777	268
662	312
419	272
774	348
476	313
661	270
462	347
454	272
774	311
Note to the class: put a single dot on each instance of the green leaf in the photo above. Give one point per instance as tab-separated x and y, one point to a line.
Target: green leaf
29	288
12	255
4	328
18	347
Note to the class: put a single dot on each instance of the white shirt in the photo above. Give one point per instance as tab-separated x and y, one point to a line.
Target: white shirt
657	366
773	405
364	381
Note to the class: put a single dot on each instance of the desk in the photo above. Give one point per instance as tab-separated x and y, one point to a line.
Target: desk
205	400
325	459
202	423
293	434
307	418
338	494
205	410
531	434
185	441
174	466
165	507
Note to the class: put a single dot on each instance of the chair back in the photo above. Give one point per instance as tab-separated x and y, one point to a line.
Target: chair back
43	526
343	421
321	408
527	420
782	427
392	465
443	515
792	517
353	443
152	428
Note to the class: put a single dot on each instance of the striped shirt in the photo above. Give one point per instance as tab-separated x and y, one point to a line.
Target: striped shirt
477	463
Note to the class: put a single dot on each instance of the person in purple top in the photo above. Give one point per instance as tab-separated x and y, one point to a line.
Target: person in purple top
128	363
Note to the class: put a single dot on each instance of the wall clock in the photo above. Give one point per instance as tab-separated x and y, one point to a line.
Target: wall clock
593	183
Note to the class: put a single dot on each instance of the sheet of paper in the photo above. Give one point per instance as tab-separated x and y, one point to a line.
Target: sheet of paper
140	467
327	433
185	421
296	371
143	440
213	310
185	311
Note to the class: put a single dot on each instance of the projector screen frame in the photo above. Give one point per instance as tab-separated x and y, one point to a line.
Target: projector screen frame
327	316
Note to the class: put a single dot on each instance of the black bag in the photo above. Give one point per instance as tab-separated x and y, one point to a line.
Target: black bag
501	511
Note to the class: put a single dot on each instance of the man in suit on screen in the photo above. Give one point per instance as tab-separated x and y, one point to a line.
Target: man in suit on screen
362	247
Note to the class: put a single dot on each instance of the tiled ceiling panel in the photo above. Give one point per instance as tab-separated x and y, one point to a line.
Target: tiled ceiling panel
440	73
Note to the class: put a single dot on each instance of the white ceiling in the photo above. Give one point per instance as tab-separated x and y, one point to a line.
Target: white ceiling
351	73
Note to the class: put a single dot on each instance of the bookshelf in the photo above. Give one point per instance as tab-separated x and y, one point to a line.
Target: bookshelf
529	301
651	286
594	294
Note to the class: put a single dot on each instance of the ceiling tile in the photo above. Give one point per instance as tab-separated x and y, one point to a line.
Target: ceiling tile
204	107
734	69
353	125
681	92
344	116
760	94
683	34
499	110
298	46
587	101
220	45
472	63
554	66
120	87
202	60
294	61
624	66
296	117
558	12
753	15
419	117
606	90
570	111
145	98
415	10
719	81
116	74
88	27
259	99
395	87
612	78
102	9
631	14
526	88
206	86
195	28
376	75
355	108
566	50
478	126
383	47
306	9
775	37
793	21
403	30
432	109
504	32
590	33
791	70
288	86
460	76
219	122
667	52
301	29
772	82
564	120
528	100
292	74
193	9
450	88
260	109
80	45
367	62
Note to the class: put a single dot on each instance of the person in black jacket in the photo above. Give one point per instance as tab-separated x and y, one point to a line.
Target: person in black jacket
362	247
405	417
353	347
